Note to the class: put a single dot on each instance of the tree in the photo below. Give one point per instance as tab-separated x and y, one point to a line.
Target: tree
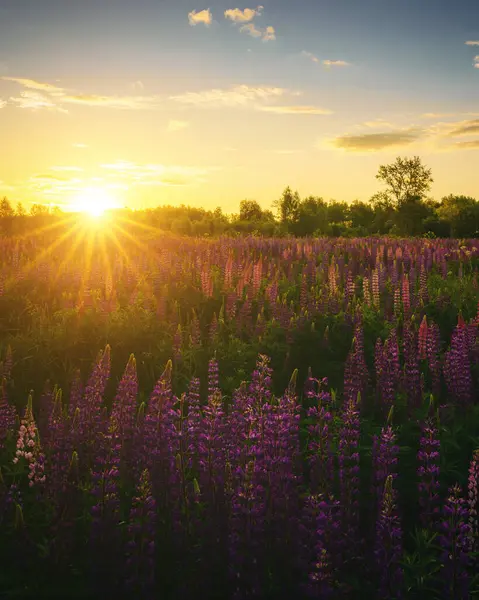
250	210
312	217
288	206
39	209
20	211
462	212
410	216
6	209
361	215
406	178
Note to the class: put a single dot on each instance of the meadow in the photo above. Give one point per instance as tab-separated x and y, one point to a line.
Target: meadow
239	417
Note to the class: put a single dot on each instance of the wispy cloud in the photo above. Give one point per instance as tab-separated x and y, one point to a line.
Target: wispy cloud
476	61
3	103
177	125
79	145
379	123
465	128
235	96
41	86
52	185
470	145
156	174
335	63
472	43
32	100
243	16
370	142
42	95
267	35
296	110
311	56
327	62
204	17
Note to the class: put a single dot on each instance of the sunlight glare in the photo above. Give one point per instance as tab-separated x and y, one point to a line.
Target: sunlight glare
93	202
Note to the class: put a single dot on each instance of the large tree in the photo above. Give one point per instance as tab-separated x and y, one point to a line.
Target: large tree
6	209
250	210
405	178
288	206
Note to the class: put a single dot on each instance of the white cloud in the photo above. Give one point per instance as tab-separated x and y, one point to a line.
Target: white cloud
243	16
42	95
267	35
32	100
336	63
79	145
472	43
236	96
311	56
177	125
476	61
327	63
204	16
3	103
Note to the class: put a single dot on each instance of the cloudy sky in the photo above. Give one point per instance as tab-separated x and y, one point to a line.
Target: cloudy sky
171	101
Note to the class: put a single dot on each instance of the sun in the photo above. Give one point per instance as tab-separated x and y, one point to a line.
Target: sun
93	201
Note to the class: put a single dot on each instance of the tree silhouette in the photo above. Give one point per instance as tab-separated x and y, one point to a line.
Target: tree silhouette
405	178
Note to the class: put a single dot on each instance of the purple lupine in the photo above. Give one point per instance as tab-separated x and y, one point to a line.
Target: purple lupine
320	530
473	500
213	378
124	404
246	555
411	375
388	547
320	456
348	460
433	344
457	368
194	423
160	441
385	460
90	425
355	370
454	540
105	511
428	473
140	547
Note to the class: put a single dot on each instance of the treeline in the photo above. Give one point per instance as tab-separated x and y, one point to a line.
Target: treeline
402	208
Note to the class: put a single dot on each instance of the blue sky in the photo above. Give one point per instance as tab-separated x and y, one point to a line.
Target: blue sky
331	85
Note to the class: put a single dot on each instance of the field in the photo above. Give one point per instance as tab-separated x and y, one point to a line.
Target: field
238	418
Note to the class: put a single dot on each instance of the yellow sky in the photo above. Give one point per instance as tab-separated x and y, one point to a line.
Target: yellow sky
237	110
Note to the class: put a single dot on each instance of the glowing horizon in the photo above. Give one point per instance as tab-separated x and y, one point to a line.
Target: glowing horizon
207	107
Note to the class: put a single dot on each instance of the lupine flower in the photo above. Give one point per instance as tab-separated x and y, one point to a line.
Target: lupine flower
385	459
348	459
140	548
454	540
473	499
428	472
388	548
28	448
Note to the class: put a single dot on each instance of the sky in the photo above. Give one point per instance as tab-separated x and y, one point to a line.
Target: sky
178	101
